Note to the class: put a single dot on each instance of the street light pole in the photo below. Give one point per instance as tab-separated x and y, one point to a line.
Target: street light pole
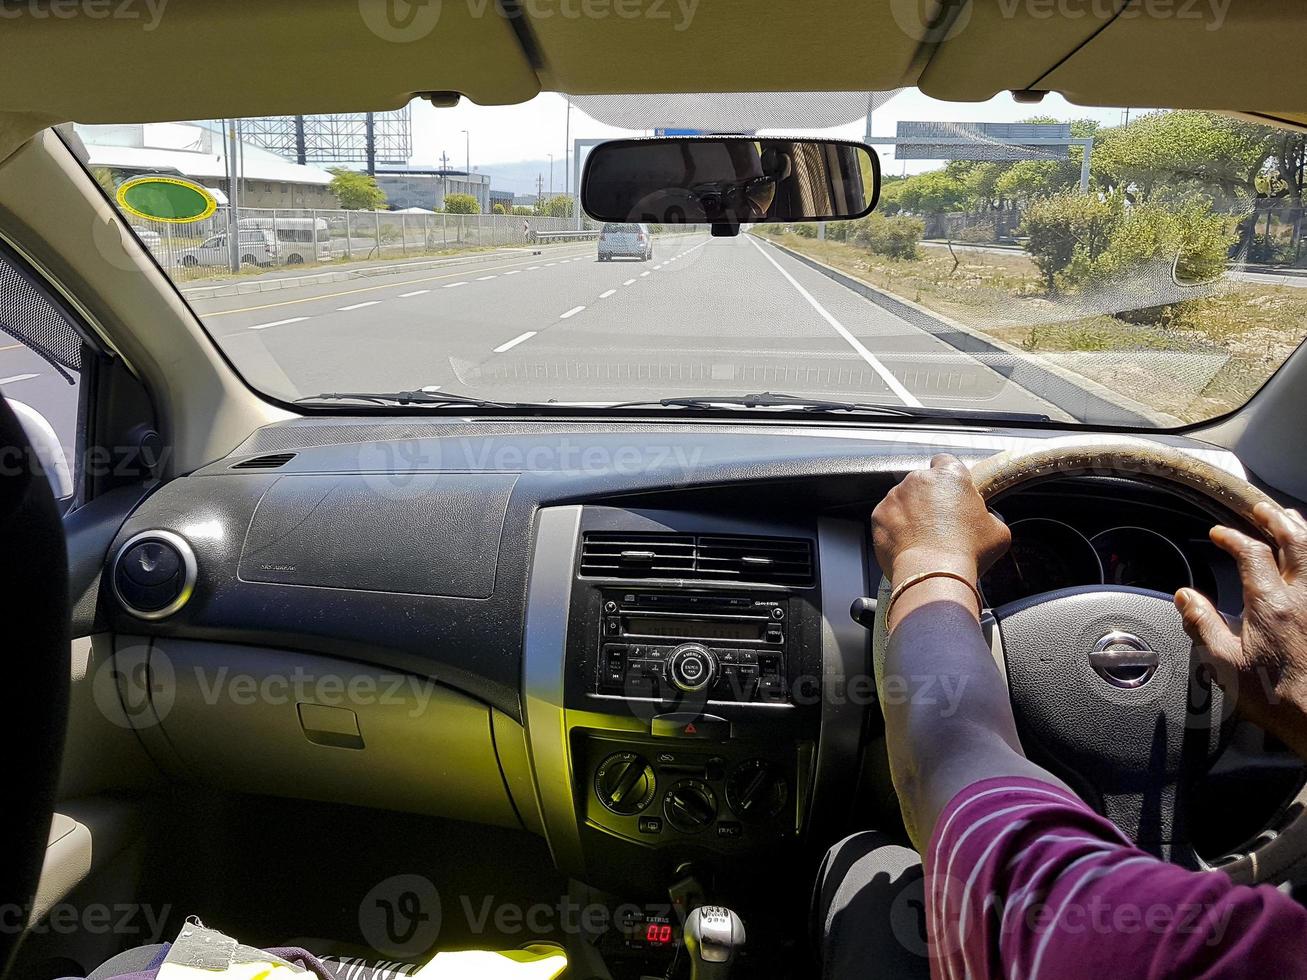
467	147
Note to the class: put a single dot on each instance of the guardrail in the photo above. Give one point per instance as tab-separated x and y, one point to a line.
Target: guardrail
564	236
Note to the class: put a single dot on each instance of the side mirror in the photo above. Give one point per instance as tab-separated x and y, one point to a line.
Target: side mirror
45	443
727	181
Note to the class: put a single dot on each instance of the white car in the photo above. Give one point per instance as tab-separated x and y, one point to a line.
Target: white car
257	247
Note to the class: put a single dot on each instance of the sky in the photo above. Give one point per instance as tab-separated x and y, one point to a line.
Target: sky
512	143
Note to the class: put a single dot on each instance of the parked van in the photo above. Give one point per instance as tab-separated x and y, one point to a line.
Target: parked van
299	240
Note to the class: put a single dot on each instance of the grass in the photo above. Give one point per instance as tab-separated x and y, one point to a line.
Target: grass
1201	358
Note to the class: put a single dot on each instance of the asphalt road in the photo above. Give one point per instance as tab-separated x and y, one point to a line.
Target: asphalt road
704	316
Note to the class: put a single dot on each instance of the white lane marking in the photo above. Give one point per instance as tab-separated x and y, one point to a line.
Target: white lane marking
484	278
657	267
628	282
17	377
643	274
515	341
357	306
416	292
891	382
572	312
548	264
607	294
513	273
451	285
532	268
431	387
277	323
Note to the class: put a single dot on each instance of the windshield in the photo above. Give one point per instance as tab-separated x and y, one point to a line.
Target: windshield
1091	265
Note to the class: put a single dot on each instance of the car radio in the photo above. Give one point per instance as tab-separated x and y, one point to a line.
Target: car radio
724	647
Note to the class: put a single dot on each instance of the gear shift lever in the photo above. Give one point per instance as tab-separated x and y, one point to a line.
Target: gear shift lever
713	937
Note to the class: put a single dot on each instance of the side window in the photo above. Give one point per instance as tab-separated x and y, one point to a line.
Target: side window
41	376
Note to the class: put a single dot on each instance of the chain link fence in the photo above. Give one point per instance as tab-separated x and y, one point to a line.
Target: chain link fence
274	238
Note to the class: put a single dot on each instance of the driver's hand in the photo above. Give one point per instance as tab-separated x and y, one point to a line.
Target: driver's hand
1265	665
936	520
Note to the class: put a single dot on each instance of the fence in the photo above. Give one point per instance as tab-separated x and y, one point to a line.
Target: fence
283	237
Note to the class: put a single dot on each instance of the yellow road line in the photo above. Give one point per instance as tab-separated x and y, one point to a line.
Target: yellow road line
361	289
12	347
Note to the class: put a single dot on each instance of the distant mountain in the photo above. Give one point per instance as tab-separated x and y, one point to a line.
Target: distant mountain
520	177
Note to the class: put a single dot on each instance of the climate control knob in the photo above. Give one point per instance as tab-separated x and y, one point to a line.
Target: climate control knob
691	667
625	783
690	806
756	791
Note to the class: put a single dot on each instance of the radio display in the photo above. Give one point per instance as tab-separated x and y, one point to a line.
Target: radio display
707	629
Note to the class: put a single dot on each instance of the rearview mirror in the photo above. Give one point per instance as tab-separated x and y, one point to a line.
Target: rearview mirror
729	180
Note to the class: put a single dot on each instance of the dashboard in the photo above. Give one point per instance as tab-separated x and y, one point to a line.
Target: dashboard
1107	531
621	638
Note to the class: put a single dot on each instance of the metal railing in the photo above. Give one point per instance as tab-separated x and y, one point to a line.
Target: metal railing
296	238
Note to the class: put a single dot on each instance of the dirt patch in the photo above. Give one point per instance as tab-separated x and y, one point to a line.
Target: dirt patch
1201	358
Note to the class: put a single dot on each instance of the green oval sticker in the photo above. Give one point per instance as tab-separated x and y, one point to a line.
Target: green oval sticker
170	199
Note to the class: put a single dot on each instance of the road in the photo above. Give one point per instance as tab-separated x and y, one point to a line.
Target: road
704	316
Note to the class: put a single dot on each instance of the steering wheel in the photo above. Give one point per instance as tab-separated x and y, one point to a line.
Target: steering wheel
1104	679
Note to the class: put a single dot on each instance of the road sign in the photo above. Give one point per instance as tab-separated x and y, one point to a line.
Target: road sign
918	140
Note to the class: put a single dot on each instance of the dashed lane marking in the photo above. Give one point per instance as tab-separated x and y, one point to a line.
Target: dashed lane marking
515	341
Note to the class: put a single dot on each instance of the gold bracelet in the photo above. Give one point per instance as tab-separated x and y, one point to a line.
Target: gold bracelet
924	576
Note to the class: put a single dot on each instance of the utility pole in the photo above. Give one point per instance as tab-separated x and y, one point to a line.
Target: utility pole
444	178
567	147
540	188
233	197
551	174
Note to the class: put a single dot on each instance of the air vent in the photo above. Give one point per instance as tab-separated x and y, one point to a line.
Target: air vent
781	561
784	561
638	555
269	462
153	574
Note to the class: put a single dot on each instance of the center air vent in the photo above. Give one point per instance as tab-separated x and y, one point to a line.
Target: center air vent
269	462
782	561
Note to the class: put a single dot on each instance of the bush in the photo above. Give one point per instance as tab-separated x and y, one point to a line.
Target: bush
462	204
808	230
1191	237
895	237
1069	228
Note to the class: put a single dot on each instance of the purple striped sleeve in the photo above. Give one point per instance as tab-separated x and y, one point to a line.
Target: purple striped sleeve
1023	880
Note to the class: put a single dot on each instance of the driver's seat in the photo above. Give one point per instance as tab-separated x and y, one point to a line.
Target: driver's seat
34	611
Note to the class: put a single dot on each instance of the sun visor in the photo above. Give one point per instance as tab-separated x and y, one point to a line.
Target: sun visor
1242	56
151	60
600	46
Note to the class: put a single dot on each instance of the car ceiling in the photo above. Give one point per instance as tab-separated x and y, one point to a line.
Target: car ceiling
215	58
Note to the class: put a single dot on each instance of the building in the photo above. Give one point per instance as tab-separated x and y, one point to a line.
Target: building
524	200
425	187
199	153
504	198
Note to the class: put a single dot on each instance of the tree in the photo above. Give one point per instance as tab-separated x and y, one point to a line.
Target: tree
104	177
558	206
355	191
1069	227
1172	153
462	204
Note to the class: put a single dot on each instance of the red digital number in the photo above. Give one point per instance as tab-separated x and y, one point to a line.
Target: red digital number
664	934
651	933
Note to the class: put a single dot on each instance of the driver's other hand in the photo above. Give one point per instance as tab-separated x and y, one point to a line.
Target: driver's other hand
935	520
1268	658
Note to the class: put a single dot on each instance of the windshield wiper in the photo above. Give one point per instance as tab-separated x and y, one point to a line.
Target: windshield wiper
769	399
411	398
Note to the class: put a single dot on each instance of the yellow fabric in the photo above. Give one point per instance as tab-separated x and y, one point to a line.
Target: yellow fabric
531	963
